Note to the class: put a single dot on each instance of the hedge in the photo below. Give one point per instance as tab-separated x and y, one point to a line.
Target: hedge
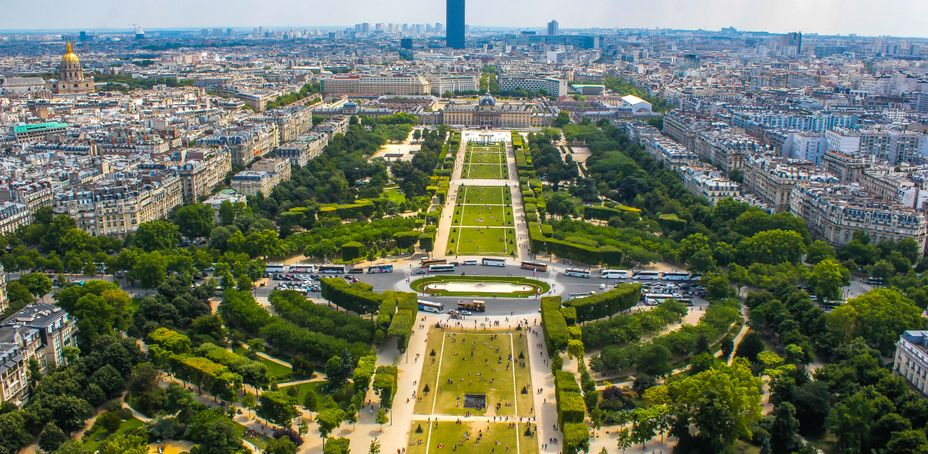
585	254
361	208
406	239
290	339
407	309
570	315
605	213
294	307
363	372
169	340
570	407
385	385
553	324
357	297
352	250
607	304
252	372
576	437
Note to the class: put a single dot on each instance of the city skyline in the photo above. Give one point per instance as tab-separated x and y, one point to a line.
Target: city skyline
901	17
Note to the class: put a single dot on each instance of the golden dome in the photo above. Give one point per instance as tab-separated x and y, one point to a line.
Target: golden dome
69	57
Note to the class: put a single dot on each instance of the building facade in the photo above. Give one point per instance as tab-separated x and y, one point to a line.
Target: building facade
71	76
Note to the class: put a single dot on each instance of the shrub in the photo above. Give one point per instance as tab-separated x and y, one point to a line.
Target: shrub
606	304
554	325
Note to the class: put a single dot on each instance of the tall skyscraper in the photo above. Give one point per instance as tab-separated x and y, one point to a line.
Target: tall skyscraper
455	24
553	28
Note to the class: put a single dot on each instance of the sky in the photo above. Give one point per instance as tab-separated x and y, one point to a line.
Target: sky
862	17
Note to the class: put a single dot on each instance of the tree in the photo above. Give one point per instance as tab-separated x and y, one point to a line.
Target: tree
382	417
720	404
911	441
772	247
818	251
125	444
878	316
157	235
828	276
563	119
784	429
851	420
38	284
375	447
335	445
277	407
19	294
281	445
654	359
328	419
882	269
51	437
215	432
13	433
195	220
109	380
751	345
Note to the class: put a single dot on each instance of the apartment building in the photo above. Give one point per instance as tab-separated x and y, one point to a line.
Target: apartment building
772	178
890	145
263	177
117	207
39	332
375	85
705	181
454	83
34	194
834	212
202	172
847	167
291	122
13	216
725	149
216	200
883	183
304	148
911	359
669	152
246	143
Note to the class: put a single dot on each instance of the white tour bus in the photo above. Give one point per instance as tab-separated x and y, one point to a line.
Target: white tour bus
613	274
441	268
428	306
683	276
577	273
647	275
493	262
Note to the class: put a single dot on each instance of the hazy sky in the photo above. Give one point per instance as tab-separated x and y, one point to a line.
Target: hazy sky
864	17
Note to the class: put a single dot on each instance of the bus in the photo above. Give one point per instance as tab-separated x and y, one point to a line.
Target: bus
574	296
535	266
493	262
332	269
473	305
379	269
302	269
682	276
427	261
441	268
577	273
647	275
653	299
428	306
274	268
613	274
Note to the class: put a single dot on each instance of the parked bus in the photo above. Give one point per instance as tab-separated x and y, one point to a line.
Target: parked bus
647	275
302	269
274	268
428	306
613	274
577	273
441	268
379	269
493	262
682	276
473	305
332	269
653	299
427	261
535	266
580	295
470	262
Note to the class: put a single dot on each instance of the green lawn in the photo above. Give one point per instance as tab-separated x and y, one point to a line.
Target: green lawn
95	437
340	398
483	216
485	172
484	195
481	241
394	194
475	363
260	442
539	286
471	438
275	370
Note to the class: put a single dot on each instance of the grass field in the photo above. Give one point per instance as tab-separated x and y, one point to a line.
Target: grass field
471	438
485	162
493	363
540	286
482	222
97	436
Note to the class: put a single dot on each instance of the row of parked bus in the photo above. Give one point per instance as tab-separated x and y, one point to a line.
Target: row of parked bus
443	266
635	275
274	270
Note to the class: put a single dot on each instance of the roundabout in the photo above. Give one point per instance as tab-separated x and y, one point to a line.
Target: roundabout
481	286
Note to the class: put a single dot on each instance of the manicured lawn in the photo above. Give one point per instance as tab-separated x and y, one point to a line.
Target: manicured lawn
95	437
483	215
483	195
260	442
485	171
394	195
325	398
276	371
481	241
540	286
475	363
471	438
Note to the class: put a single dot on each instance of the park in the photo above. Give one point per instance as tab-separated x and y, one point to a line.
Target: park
482	223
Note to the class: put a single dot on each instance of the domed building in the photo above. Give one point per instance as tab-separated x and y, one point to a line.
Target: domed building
71	74
488	114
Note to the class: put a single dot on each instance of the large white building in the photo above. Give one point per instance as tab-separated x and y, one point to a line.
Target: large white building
373	86
911	359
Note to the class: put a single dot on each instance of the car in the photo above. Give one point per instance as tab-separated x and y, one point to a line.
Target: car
465	312
418	272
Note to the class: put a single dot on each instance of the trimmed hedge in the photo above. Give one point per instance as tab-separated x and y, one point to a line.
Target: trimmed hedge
385	385
290	339
570	315
294	307
357	297
407	309
585	254
363	372
607	304
576	437
554	325
605	213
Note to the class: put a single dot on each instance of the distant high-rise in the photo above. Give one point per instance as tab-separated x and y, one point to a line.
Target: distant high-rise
455	24
554	28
